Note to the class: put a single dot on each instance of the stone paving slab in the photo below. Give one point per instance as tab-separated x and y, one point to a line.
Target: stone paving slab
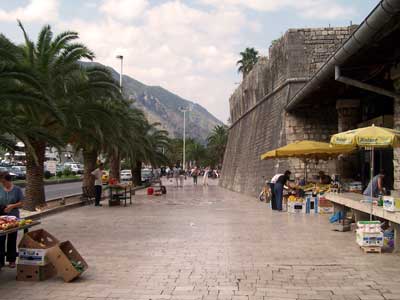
209	243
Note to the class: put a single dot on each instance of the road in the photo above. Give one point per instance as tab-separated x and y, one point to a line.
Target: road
62	189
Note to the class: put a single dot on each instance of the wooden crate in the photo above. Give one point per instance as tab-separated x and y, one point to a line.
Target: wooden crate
371	249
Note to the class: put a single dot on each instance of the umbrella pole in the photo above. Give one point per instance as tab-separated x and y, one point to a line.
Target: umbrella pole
305	170
372	176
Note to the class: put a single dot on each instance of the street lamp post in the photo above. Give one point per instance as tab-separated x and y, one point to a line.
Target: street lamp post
184	110
121	57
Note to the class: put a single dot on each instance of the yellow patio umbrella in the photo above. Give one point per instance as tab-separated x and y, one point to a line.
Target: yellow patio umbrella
370	137
308	150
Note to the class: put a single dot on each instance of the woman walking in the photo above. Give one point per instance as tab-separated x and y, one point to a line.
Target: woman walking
205	176
11	199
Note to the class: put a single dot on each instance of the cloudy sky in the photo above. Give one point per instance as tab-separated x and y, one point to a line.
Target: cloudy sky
189	47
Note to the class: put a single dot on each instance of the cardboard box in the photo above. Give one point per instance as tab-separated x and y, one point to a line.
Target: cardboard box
369	238
33	257
38	239
62	257
35	273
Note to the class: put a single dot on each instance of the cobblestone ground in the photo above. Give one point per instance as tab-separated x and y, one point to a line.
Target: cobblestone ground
209	243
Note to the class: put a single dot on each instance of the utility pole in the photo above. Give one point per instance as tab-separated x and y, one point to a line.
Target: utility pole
121	57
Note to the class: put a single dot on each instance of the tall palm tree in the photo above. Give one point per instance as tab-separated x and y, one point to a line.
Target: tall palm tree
196	152
217	141
249	58
53	64
92	116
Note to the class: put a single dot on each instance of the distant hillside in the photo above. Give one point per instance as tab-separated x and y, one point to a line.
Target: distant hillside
160	105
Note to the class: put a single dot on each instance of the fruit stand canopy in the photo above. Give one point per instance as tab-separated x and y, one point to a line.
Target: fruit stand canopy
308	149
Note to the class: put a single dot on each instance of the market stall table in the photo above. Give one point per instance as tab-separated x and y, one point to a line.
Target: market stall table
25	228
352	200
120	192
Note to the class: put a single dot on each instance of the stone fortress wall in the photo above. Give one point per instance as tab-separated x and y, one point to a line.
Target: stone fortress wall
257	108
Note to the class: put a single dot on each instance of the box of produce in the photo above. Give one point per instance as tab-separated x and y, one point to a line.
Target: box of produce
33	257
35	273
369	238
67	261
38	239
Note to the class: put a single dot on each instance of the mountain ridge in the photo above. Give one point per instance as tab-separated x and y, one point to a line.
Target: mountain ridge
161	105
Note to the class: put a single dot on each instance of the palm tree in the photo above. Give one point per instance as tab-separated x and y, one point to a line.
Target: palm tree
149	147
249	58
52	64
91	119
217	141
196	152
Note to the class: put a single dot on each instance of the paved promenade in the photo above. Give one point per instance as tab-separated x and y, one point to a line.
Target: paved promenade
209	244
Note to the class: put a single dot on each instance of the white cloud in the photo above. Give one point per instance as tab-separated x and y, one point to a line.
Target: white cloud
124	9
186	50
321	9
35	10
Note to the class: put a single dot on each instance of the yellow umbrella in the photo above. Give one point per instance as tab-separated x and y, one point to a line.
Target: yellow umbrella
370	137
308	149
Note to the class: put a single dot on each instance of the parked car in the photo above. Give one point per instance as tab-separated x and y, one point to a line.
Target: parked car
147	175
75	168
19	171
7	170
126	175
105	176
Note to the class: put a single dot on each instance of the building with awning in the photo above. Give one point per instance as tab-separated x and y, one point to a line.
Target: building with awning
315	83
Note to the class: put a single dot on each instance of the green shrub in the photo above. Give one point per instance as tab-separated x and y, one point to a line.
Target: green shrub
59	173
47	174
67	172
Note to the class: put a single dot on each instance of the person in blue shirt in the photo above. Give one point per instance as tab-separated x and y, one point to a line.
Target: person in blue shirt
11	199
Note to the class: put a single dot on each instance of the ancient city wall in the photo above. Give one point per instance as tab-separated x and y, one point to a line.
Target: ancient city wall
259	120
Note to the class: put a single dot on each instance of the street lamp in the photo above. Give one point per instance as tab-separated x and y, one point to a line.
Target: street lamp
121	57
184	110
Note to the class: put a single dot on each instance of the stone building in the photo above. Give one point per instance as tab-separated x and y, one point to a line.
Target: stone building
314	83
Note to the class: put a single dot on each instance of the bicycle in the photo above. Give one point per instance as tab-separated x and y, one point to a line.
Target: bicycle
265	194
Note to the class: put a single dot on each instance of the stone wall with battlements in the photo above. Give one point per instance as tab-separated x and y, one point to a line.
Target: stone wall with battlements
257	107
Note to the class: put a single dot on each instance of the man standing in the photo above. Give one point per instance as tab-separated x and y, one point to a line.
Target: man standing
272	187
98	173
280	183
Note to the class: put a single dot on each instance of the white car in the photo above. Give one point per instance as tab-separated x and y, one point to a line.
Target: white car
126	175
74	167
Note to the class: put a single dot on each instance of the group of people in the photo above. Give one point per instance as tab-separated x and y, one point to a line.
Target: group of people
180	175
11	200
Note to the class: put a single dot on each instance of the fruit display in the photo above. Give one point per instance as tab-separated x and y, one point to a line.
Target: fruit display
10	222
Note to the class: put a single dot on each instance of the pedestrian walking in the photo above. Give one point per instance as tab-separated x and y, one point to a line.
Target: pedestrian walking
11	199
182	177
98	184
176	172
205	176
278	188
195	174
272	187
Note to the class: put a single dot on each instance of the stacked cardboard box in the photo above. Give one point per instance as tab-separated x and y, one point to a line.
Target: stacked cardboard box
33	264
42	256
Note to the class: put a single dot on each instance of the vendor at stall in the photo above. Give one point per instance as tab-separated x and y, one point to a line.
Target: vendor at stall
280	183
375	186
323	178
11	198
